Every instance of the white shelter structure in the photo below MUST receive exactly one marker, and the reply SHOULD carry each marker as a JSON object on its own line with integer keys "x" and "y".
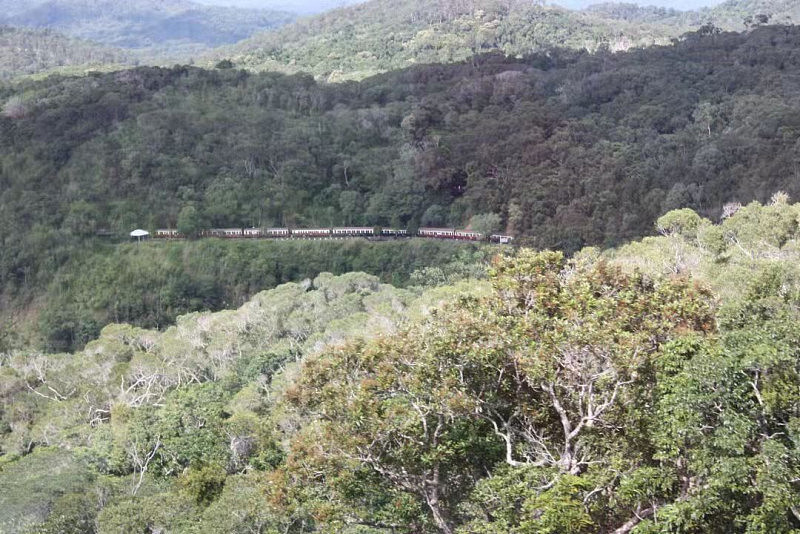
{"x": 140, "y": 234}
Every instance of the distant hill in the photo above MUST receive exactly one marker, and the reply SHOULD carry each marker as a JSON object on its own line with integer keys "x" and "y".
{"x": 304, "y": 7}
{"x": 361, "y": 40}
{"x": 382, "y": 35}
{"x": 730, "y": 15}
{"x": 163, "y": 24}
{"x": 630, "y": 12}
{"x": 25, "y": 51}
{"x": 733, "y": 13}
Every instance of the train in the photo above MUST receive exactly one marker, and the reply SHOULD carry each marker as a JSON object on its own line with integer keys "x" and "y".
{"x": 333, "y": 233}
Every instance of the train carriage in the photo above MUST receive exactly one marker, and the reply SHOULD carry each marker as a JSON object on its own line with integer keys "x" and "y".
{"x": 228, "y": 233}
{"x": 353, "y": 231}
{"x": 502, "y": 239}
{"x": 168, "y": 233}
{"x": 392, "y": 232}
{"x": 311, "y": 232}
{"x": 339, "y": 232}
{"x": 278, "y": 232}
{"x": 468, "y": 235}
{"x": 441, "y": 233}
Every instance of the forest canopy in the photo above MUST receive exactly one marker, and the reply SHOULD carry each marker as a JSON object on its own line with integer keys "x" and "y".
{"x": 646, "y": 389}
{"x": 376, "y": 36}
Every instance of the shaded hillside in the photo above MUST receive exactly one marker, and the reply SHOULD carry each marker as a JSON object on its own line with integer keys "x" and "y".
{"x": 176, "y": 25}
{"x": 24, "y": 51}
{"x": 382, "y": 35}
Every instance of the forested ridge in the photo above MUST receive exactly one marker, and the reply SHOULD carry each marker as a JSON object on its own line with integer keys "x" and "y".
{"x": 651, "y": 388}
{"x": 564, "y": 148}
{"x": 358, "y": 41}
{"x": 25, "y": 51}
{"x": 379, "y": 35}
{"x": 729, "y": 15}
{"x": 176, "y": 28}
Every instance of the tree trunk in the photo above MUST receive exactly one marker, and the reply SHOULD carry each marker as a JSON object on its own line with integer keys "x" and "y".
{"x": 432, "y": 499}
{"x": 439, "y": 515}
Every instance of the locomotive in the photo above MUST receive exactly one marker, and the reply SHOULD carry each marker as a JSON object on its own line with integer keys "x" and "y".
{"x": 332, "y": 233}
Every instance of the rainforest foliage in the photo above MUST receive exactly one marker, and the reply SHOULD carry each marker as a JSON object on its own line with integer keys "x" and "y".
{"x": 383, "y": 35}
{"x": 564, "y": 148}
{"x": 343, "y": 44}
{"x": 380, "y": 35}
{"x": 652, "y": 388}
{"x": 150, "y": 284}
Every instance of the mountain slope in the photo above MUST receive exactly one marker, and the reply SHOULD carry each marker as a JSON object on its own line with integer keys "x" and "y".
{"x": 382, "y": 35}
{"x": 145, "y": 23}
{"x": 645, "y": 14}
{"x": 295, "y": 6}
{"x": 564, "y": 148}
{"x": 736, "y": 14}
{"x": 24, "y": 51}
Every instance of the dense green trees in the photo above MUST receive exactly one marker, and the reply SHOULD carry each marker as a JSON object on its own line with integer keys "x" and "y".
{"x": 149, "y": 284}
{"x": 581, "y": 395}
{"x": 548, "y": 376}
{"x": 567, "y": 149}
{"x": 379, "y": 36}
{"x": 168, "y": 424}
{"x": 359, "y": 41}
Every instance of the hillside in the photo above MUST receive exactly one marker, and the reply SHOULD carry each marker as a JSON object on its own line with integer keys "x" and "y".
{"x": 239, "y": 348}
{"x": 294, "y": 6}
{"x": 383, "y": 35}
{"x": 159, "y": 25}
{"x": 647, "y": 14}
{"x": 646, "y": 389}
{"x": 565, "y": 149}
{"x": 24, "y": 51}
{"x": 735, "y": 14}
{"x": 358, "y": 41}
